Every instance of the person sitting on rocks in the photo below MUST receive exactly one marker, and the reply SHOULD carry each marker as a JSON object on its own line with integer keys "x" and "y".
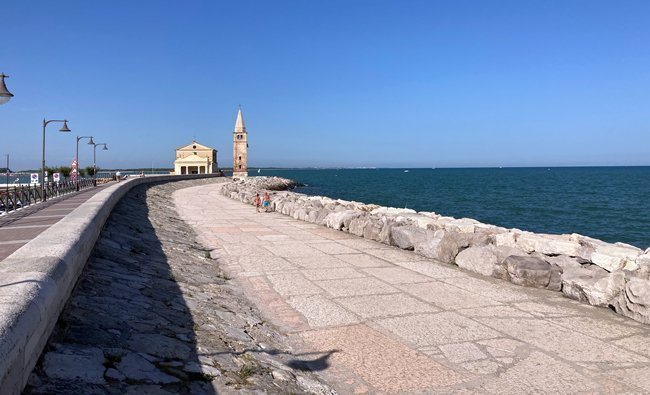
{"x": 267, "y": 202}
{"x": 257, "y": 202}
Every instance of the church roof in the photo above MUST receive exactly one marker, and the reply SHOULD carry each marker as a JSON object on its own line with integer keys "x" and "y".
{"x": 190, "y": 147}
{"x": 239, "y": 123}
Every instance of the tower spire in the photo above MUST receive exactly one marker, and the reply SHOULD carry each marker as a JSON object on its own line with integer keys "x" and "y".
{"x": 240, "y": 127}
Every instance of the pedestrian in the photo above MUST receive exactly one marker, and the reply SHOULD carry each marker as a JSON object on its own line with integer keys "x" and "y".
{"x": 266, "y": 203}
{"x": 257, "y": 202}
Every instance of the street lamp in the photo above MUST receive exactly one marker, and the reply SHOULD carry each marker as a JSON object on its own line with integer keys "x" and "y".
{"x": 64, "y": 129}
{"x": 5, "y": 95}
{"x": 90, "y": 142}
{"x": 7, "y": 185}
{"x": 95, "y": 160}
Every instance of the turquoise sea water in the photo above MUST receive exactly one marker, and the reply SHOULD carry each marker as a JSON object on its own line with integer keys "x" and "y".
{"x": 608, "y": 203}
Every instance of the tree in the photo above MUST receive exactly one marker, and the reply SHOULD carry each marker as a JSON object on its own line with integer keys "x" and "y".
{"x": 65, "y": 171}
{"x": 90, "y": 171}
{"x": 50, "y": 170}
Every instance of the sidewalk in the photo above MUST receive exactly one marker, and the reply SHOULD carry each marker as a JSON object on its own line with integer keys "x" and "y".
{"x": 20, "y": 227}
{"x": 382, "y": 320}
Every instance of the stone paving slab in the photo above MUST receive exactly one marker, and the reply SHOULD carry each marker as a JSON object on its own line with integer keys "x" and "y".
{"x": 385, "y": 320}
{"x": 19, "y": 227}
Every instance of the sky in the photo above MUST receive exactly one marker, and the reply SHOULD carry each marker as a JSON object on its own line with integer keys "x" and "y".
{"x": 330, "y": 83}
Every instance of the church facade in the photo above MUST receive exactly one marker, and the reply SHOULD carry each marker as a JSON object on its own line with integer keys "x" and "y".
{"x": 195, "y": 158}
{"x": 240, "y": 148}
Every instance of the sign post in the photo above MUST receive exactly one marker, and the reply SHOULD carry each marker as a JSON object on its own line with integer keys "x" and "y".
{"x": 74, "y": 173}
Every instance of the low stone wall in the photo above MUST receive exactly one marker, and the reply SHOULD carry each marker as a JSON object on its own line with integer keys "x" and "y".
{"x": 37, "y": 279}
{"x": 586, "y": 269}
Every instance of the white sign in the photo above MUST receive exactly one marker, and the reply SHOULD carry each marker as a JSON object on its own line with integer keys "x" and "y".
{"x": 45, "y": 177}
{"x": 34, "y": 178}
{"x": 56, "y": 177}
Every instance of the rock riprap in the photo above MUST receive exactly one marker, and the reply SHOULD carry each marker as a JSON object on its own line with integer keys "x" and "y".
{"x": 583, "y": 268}
{"x": 154, "y": 314}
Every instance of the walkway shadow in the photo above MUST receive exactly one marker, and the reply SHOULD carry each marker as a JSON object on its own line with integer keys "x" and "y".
{"x": 126, "y": 326}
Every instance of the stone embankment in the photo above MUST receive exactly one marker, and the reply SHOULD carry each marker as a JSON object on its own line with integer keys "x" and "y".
{"x": 154, "y": 314}
{"x": 582, "y": 268}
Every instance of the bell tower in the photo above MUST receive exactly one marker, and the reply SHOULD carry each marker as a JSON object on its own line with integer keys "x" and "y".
{"x": 240, "y": 148}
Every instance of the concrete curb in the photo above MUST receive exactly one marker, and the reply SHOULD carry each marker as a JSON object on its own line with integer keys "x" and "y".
{"x": 36, "y": 280}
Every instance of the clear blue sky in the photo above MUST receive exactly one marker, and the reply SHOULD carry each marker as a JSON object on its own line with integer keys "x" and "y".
{"x": 331, "y": 83}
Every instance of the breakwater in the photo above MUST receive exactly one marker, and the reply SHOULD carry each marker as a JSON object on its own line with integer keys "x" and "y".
{"x": 615, "y": 275}
{"x": 608, "y": 203}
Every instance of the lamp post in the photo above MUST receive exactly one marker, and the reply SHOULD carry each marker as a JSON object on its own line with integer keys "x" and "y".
{"x": 95, "y": 160}
{"x": 7, "y": 185}
{"x": 64, "y": 129}
{"x": 5, "y": 95}
{"x": 90, "y": 142}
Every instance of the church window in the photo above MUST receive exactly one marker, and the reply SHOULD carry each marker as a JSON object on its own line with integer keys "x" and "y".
{"x": 239, "y": 137}
{"x": 194, "y": 152}
{"x": 240, "y": 158}
{"x": 194, "y": 147}
{"x": 240, "y": 166}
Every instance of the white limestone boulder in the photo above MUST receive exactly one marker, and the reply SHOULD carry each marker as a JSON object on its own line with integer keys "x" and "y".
{"x": 503, "y": 252}
{"x": 481, "y": 259}
{"x": 444, "y": 246}
{"x": 592, "y": 285}
{"x": 552, "y": 245}
{"x": 392, "y": 211}
{"x": 419, "y": 220}
{"x": 405, "y": 237}
{"x": 634, "y": 300}
{"x": 533, "y": 272}
{"x": 358, "y": 224}
{"x": 612, "y": 257}
{"x": 336, "y": 220}
{"x": 563, "y": 261}
{"x": 506, "y": 239}
{"x": 372, "y": 228}
{"x": 462, "y": 225}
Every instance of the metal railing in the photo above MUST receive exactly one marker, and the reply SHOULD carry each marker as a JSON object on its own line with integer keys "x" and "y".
{"x": 24, "y": 196}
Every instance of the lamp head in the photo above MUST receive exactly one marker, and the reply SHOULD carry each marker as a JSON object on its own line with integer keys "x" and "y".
{"x": 105, "y": 148}
{"x": 65, "y": 127}
{"x": 5, "y": 95}
{"x": 90, "y": 141}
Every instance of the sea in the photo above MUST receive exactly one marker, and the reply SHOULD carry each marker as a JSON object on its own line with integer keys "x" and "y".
{"x": 608, "y": 203}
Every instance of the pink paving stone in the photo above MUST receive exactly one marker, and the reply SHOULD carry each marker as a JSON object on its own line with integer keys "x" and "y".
{"x": 382, "y": 362}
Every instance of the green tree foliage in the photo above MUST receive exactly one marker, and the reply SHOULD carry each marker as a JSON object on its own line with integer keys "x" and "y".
{"x": 90, "y": 171}
{"x": 65, "y": 171}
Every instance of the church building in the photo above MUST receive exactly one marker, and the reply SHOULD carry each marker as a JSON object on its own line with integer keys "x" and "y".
{"x": 195, "y": 158}
{"x": 240, "y": 148}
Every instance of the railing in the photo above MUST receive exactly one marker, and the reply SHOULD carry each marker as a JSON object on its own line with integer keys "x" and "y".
{"x": 23, "y": 196}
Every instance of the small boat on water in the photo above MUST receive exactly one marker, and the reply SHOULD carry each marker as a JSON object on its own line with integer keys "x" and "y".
{"x": 406, "y": 171}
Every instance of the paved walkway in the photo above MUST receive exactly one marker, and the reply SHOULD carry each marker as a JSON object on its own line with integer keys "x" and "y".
{"x": 20, "y": 227}
{"x": 379, "y": 319}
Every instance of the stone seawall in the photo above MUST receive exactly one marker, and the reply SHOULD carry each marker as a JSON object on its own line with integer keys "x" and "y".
{"x": 582, "y": 268}
{"x": 37, "y": 279}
